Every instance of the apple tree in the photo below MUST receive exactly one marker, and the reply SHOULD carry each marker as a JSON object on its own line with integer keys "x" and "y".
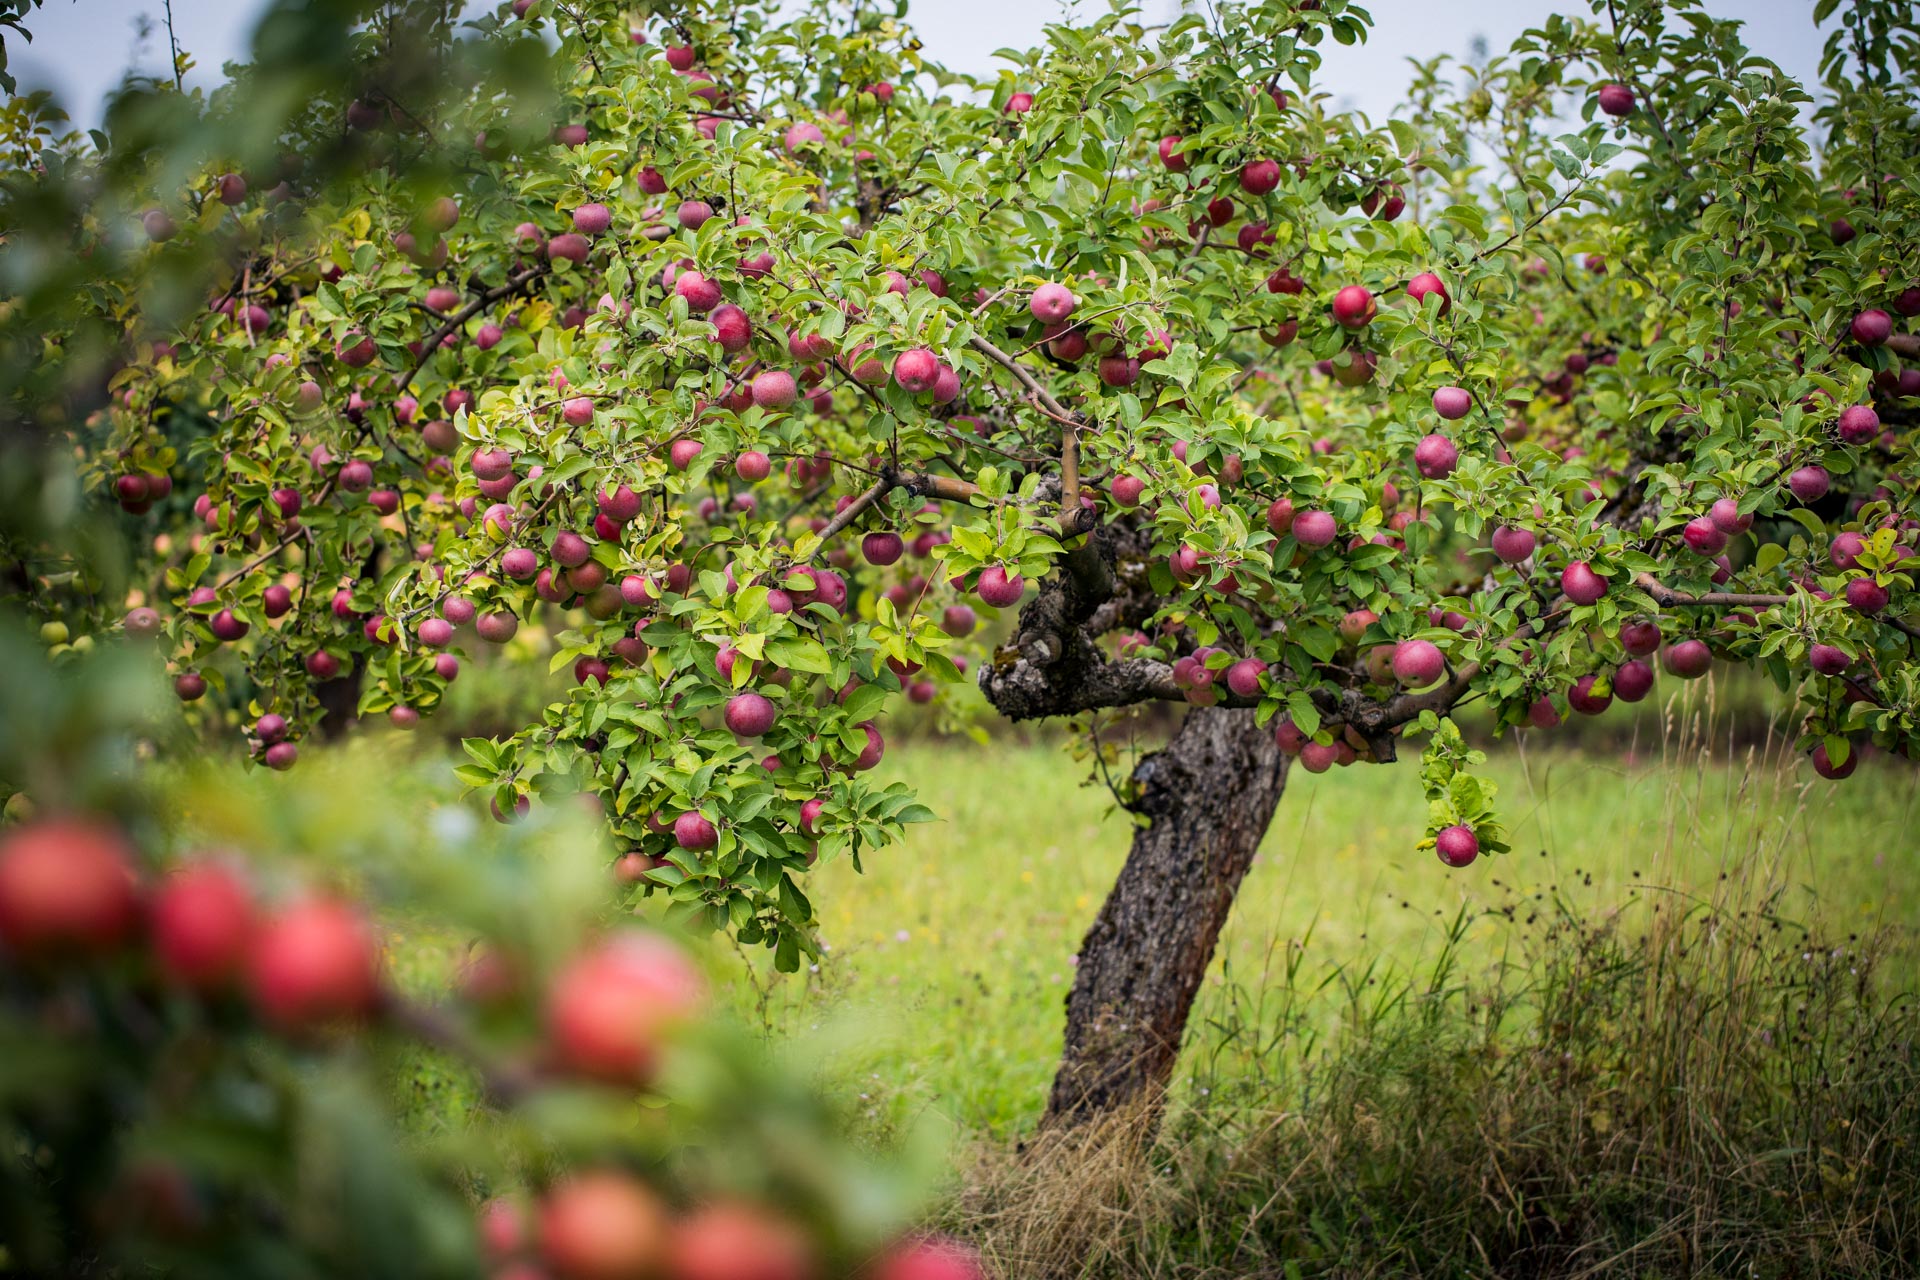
{"x": 211, "y": 1031}
{"x": 774, "y": 374}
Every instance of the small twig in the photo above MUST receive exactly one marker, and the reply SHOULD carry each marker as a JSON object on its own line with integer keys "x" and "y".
{"x": 173, "y": 48}
{"x": 1069, "y": 472}
{"x": 1022, "y": 375}
{"x": 514, "y": 284}
{"x": 257, "y": 561}
{"x": 992, "y": 298}
{"x": 854, "y": 510}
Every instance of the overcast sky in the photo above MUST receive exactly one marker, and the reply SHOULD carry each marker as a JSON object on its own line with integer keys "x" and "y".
{"x": 81, "y": 47}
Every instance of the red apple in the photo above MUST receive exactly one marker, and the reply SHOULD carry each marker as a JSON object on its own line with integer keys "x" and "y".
{"x": 1452, "y": 403}
{"x": 1427, "y": 283}
{"x": 916, "y": 371}
{"x": 1828, "y": 660}
{"x": 1688, "y": 659}
{"x": 1824, "y": 766}
{"x": 1513, "y": 545}
{"x": 1313, "y": 528}
{"x": 610, "y": 1010}
{"x": 1616, "y": 100}
{"x": 314, "y": 962}
{"x": 999, "y": 588}
{"x": 66, "y": 885}
{"x": 1583, "y": 699}
{"x": 202, "y": 923}
{"x": 750, "y": 715}
{"x": 1052, "y": 303}
{"x": 1418, "y": 663}
{"x": 1810, "y": 483}
{"x": 1871, "y": 327}
{"x": 1353, "y": 306}
{"x": 1435, "y": 456}
{"x": 1867, "y": 596}
{"x": 1581, "y": 584}
{"x": 931, "y": 1258}
{"x": 1858, "y": 424}
{"x": 1633, "y": 681}
{"x": 1260, "y": 177}
{"x": 1457, "y": 845}
{"x": 603, "y": 1225}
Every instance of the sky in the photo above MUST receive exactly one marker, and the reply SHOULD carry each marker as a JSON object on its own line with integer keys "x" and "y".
{"x": 81, "y": 47}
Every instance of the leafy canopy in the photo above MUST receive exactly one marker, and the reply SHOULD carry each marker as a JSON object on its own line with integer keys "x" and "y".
{"x": 759, "y": 369}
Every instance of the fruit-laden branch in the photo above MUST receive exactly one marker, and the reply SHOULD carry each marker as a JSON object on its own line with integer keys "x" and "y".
{"x": 921, "y": 484}
{"x": 854, "y": 510}
{"x": 1053, "y": 665}
{"x": 1668, "y": 597}
{"x": 515, "y": 283}
{"x": 1028, "y": 687}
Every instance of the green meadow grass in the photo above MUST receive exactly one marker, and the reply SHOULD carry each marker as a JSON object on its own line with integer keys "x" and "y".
{"x": 1670, "y": 1033}
{"x": 950, "y": 958}
{"x": 948, "y": 961}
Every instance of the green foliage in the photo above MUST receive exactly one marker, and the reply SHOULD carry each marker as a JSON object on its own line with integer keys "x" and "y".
{"x": 186, "y": 1128}
{"x": 12, "y": 17}
{"x": 1456, "y": 796}
{"x": 1652, "y": 311}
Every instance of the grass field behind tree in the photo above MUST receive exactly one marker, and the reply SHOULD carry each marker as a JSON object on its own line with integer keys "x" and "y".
{"x": 1671, "y": 1033}
{"x": 951, "y": 955}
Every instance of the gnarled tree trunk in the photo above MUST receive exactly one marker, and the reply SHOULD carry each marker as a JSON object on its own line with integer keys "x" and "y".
{"x": 1209, "y": 795}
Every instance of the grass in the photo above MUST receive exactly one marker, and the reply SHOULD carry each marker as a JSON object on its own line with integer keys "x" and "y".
{"x": 1716, "y": 1093}
{"x": 1671, "y": 1034}
{"x": 951, "y": 956}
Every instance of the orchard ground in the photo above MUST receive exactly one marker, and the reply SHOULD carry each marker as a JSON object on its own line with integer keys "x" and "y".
{"x": 1686, "y": 997}
{"x": 950, "y": 956}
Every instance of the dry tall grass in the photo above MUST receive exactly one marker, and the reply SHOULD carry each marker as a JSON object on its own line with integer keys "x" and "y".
{"x": 1687, "y": 1085}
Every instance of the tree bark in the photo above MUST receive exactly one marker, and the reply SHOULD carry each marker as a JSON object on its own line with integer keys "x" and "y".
{"x": 1209, "y": 796}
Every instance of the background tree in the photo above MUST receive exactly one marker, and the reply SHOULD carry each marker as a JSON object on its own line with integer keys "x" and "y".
{"x": 776, "y": 373}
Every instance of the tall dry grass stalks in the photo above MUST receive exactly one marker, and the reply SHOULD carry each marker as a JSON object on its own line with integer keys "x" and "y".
{"x": 1687, "y": 1083}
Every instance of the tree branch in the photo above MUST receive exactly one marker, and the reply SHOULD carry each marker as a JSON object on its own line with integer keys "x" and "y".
{"x": 1024, "y": 377}
{"x": 944, "y": 488}
{"x": 516, "y": 282}
{"x": 854, "y": 510}
{"x": 1669, "y": 598}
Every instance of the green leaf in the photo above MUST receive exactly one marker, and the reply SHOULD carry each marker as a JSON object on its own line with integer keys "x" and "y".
{"x": 801, "y": 654}
{"x": 1305, "y": 716}
{"x": 865, "y": 703}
